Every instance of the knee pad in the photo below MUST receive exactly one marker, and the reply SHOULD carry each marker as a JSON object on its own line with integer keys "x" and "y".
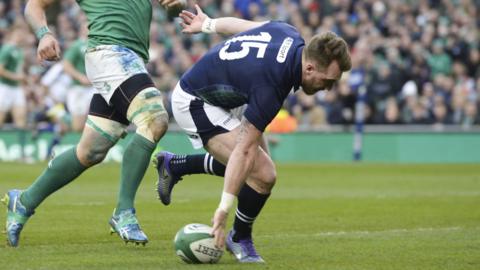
{"x": 110, "y": 130}
{"x": 147, "y": 112}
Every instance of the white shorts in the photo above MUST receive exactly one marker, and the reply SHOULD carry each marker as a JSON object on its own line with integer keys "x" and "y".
{"x": 11, "y": 96}
{"x": 201, "y": 121}
{"x": 57, "y": 82}
{"x": 108, "y": 66}
{"x": 78, "y": 99}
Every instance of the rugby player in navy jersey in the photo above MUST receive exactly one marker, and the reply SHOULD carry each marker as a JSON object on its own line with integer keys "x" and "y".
{"x": 258, "y": 66}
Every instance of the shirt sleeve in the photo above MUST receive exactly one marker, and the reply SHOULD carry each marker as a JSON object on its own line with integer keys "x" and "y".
{"x": 263, "y": 106}
{"x": 72, "y": 53}
{"x": 4, "y": 55}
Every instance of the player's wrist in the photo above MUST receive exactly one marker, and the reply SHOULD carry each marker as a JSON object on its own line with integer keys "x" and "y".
{"x": 42, "y": 32}
{"x": 209, "y": 25}
{"x": 227, "y": 201}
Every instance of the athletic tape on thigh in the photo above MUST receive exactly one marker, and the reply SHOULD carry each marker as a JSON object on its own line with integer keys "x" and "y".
{"x": 148, "y": 104}
{"x": 109, "y": 129}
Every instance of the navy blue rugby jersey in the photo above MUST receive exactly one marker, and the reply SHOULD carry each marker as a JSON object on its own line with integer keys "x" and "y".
{"x": 258, "y": 67}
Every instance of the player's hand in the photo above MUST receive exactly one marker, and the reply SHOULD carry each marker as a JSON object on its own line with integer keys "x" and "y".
{"x": 219, "y": 224}
{"x": 48, "y": 49}
{"x": 23, "y": 79}
{"x": 85, "y": 81}
{"x": 192, "y": 23}
{"x": 172, "y": 3}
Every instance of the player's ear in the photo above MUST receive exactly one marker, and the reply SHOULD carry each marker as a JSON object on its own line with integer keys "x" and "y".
{"x": 310, "y": 67}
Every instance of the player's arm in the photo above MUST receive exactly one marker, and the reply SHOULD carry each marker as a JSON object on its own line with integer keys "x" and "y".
{"x": 48, "y": 47}
{"x": 172, "y": 3}
{"x": 70, "y": 56}
{"x": 239, "y": 165}
{"x": 75, "y": 74}
{"x": 200, "y": 22}
{"x": 5, "y": 73}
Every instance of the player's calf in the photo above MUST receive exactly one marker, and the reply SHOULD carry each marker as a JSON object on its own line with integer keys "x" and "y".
{"x": 264, "y": 174}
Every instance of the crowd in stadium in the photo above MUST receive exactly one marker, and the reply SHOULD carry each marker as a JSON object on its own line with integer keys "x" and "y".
{"x": 418, "y": 60}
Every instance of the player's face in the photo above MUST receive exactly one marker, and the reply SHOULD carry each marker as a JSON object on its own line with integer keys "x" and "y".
{"x": 315, "y": 79}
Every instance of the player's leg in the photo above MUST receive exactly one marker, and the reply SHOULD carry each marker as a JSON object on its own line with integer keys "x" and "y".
{"x": 99, "y": 135}
{"x": 19, "y": 116}
{"x": 146, "y": 111}
{"x": 120, "y": 75}
{"x": 178, "y": 165}
{"x": 3, "y": 116}
{"x": 60, "y": 119}
{"x": 78, "y": 99}
{"x": 172, "y": 167}
{"x": 251, "y": 199}
{"x": 5, "y": 103}
{"x": 143, "y": 106}
{"x": 217, "y": 129}
{"x": 175, "y": 166}
{"x": 19, "y": 110}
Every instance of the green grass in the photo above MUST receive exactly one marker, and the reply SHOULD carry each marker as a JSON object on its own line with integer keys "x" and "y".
{"x": 360, "y": 216}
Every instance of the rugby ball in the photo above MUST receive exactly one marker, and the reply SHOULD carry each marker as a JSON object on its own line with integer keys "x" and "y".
{"x": 194, "y": 244}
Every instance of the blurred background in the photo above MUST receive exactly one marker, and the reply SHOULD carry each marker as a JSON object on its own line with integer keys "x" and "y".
{"x": 412, "y": 95}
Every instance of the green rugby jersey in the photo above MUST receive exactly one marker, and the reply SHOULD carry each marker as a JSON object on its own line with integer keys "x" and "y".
{"x": 119, "y": 22}
{"x": 11, "y": 58}
{"x": 75, "y": 55}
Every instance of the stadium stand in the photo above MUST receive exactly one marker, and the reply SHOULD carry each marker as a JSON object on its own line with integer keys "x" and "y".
{"x": 419, "y": 60}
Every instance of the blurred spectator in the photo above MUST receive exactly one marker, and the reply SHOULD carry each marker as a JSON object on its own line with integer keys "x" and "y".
{"x": 419, "y": 60}
{"x": 306, "y": 111}
{"x": 439, "y": 61}
{"x": 282, "y": 123}
{"x": 13, "y": 77}
{"x": 392, "y": 113}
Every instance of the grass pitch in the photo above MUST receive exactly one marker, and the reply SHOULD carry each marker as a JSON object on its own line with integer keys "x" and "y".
{"x": 360, "y": 216}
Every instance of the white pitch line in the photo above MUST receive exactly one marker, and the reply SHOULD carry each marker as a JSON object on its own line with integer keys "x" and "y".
{"x": 361, "y": 233}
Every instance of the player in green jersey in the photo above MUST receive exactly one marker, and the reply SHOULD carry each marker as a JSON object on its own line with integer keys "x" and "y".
{"x": 80, "y": 93}
{"x": 12, "y": 78}
{"x": 118, "y": 42}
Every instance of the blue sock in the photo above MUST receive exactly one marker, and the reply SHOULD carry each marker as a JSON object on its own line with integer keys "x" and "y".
{"x": 196, "y": 164}
{"x": 250, "y": 203}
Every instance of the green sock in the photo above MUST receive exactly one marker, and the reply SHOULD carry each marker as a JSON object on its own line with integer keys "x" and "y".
{"x": 60, "y": 171}
{"x": 134, "y": 164}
